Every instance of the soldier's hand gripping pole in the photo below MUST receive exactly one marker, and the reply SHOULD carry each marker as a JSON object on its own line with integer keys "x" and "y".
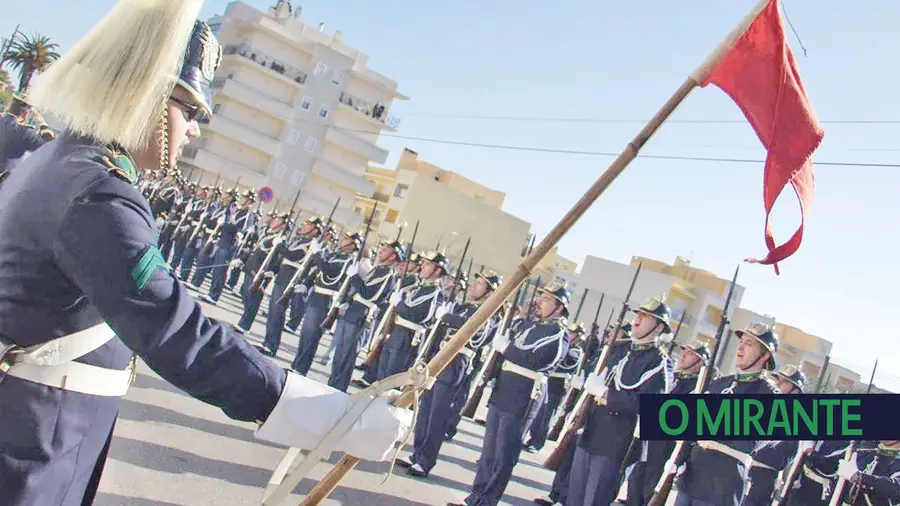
{"x": 331, "y": 480}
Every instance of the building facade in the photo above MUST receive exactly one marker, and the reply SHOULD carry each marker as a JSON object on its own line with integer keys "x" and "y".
{"x": 295, "y": 109}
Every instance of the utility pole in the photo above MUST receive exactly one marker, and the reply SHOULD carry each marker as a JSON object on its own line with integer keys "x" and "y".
{"x": 7, "y": 45}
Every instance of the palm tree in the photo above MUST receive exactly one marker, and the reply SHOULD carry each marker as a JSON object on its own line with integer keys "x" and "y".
{"x": 31, "y": 55}
{"x": 5, "y": 77}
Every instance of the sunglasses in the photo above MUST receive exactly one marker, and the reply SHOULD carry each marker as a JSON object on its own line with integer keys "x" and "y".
{"x": 191, "y": 111}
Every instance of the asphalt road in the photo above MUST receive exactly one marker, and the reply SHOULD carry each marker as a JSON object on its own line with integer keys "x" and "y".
{"x": 170, "y": 449}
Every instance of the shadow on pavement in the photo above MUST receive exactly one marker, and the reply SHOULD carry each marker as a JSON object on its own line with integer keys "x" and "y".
{"x": 107, "y": 499}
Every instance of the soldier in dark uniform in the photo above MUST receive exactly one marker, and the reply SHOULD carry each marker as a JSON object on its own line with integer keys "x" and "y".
{"x": 301, "y": 290}
{"x": 196, "y": 235}
{"x": 219, "y": 214}
{"x": 83, "y": 287}
{"x": 647, "y": 472}
{"x": 244, "y": 248}
{"x": 435, "y": 407}
{"x": 236, "y": 221}
{"x": 169, "y": 234}
{"x": 329, "y": 270}
{"x": 181, "y": 238}
{"x": 535, "y": 347}
{"x": 611, "y": 422}
{"x": 289, "y": 259}
{"x": 16, "y": 137}
{"x": 556, "y": 390}
{"x": 817, "y": 478}
{"x": 772, "y": 457}
{"x": 416, "y": 308}
{"x": 873, "y": 476}
{"x": 368, "y": 293}
{"x": 714, "y": 473}
{"x": 251, "y": 295}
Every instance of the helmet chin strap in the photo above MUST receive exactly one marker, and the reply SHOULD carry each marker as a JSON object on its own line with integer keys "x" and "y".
{"x": 645, "y": 336}
{"x": 164, "y": 140}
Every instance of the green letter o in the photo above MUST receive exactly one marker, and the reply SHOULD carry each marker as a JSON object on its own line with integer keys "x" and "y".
{"x": 662, "y": 417}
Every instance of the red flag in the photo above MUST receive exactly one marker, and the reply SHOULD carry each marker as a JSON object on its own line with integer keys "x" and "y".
{"x": 760, "y": 75}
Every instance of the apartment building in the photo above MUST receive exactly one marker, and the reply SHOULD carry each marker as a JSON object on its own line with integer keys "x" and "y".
{"x": 696, "y": 296}
{"x": 295, "y": 109}
{"x": 449, "y": 208}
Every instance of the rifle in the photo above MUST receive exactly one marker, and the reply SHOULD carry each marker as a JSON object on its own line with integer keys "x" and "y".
{"x": 568, "y": 403}
{"x": 344, "y": 291}
{"x": 580, "y": 305}
{"x": 682, "y": 449}
{"x": 203, "y": 214}
{"x": 258, "y": 278}
{"x": 838, "y": 492}
{"x": 582, "y": 406}
{"x": 304, "y": 266}
{"x": 207, "y": 248}
{"x": 383, "y": 329}
{"x": 428, "y": 344}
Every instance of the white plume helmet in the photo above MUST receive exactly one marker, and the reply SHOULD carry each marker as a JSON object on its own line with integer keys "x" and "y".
{"x": 115, "y": 83}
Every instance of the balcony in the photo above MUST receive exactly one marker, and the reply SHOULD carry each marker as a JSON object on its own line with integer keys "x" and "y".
{"x": 372, "y": 112}
{"x": 228, "y": 169}
{"x": 381, "y": 197}
{"x": 250, "y": 54}
{"x": 254, "y": 98}
{"x": 355, "y": 144}
{"x": 240, "y": 133}
{"x": 339, "y": 175}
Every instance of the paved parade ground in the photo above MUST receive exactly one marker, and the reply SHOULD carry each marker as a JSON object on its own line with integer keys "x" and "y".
{"x": 170, "y": 449}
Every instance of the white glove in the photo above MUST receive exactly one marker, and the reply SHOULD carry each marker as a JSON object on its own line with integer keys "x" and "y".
{"x": 671, "y": 468}
{"x": 301, "y": 289}
{"x": 595, "y": 385}
{"x": 220, "y": 221}
{"x": 236, "y": 264}
{"x": 395, "y": 298}
{"x": 804, "y": 446}
{"x": 314, "y": 247}
{"x": 501, "y": 342}
{"x": 268, "y": 274}
{"x": 577, "y": 382}
{"x": 846, "y": 469}
{"x": 352, "y": 270}
{"x": 343, "y": 308}
{"x": 277, "y": 240}
{"x": 442, "y": 310}
{"x": 372, "y": 437}
{"x": 365, "y": 267}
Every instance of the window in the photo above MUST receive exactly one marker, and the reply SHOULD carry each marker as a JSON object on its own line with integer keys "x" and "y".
{"x": 216, "y": 108}
{"x": 337, "y": 78}
{"x": 296, "y": 178}
{"x": 311, "y": 144}
{"x": 280, "y": 170}
{"x": 323, "y": 111}
{"x": 320, "y": 69}
{"x": 400, "y": 190}
{"x": 306, "y": 103}
{"x": 293, "y": 137}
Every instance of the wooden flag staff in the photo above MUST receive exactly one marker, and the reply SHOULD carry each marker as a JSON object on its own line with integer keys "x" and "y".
{"x": 440, "y": 361}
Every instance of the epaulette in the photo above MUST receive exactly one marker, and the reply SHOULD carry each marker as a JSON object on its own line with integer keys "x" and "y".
{"x": 120, "y": 165}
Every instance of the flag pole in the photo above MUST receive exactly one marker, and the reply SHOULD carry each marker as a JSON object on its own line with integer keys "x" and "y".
{"x": 330, "y": 481}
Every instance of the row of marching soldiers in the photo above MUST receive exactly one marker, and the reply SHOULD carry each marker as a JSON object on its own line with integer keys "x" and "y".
{"x": 399, "y": 307}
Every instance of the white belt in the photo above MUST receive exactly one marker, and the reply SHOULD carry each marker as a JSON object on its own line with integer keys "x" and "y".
{"x": 403, "y": 322}
{"x": 325, "y": 291}
{"x": 821, "y": 480}
{"x": 741, "y": 457}
{"x": 365, "y": 302}
{"x": 562, "y": 375}
{"x": 521, "y": 371}
{"x": 469, "y": 352}
{"x": 295, "y": 265}
{"x": 51, "y": 364}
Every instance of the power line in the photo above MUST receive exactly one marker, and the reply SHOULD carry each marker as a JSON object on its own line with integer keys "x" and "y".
{"x": 626, "y": 120}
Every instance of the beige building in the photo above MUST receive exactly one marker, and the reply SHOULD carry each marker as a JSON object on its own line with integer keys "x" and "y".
{"x": 450, "y": 209}
{"x": 296, "y": 109}
{"x": 696, "y": 295}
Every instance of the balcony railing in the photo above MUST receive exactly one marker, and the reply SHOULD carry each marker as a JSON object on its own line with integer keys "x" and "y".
{"x": 376, "y": 112}
{"x": 267, "y": 61}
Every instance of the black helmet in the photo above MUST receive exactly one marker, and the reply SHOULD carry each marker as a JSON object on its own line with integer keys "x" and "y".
{"x": 793, "y": 375}
{"x": 766, "y": 337}
{"x": 659, "y": 310}
{"x": 19, "y": 105}
{"x": 204, "y": 53}
{"x": 396, "y": 247}
{"x": 249, "y": 195}
{"x": 699, "y": 349}
{"x": 492, "y": 278}
{"x": 317, "y": 222}
{"x": 356, "y": 237}
{"x": 437, "y": 259}
{"x": 560, "y": 293}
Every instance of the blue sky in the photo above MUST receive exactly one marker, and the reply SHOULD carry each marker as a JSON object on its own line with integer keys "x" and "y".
{"x": 622, "y": 60}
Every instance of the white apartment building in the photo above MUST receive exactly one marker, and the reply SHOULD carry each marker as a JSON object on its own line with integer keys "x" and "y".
{"x": 295, "y": 109}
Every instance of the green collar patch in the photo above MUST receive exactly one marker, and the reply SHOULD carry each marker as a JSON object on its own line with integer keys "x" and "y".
{"x": 687, "y": 375}
{"x": 151, "y": 260}
{"x": 642, "y": 347}
{"x": 120, "y": 164}
{"x": 753, "y": 376}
